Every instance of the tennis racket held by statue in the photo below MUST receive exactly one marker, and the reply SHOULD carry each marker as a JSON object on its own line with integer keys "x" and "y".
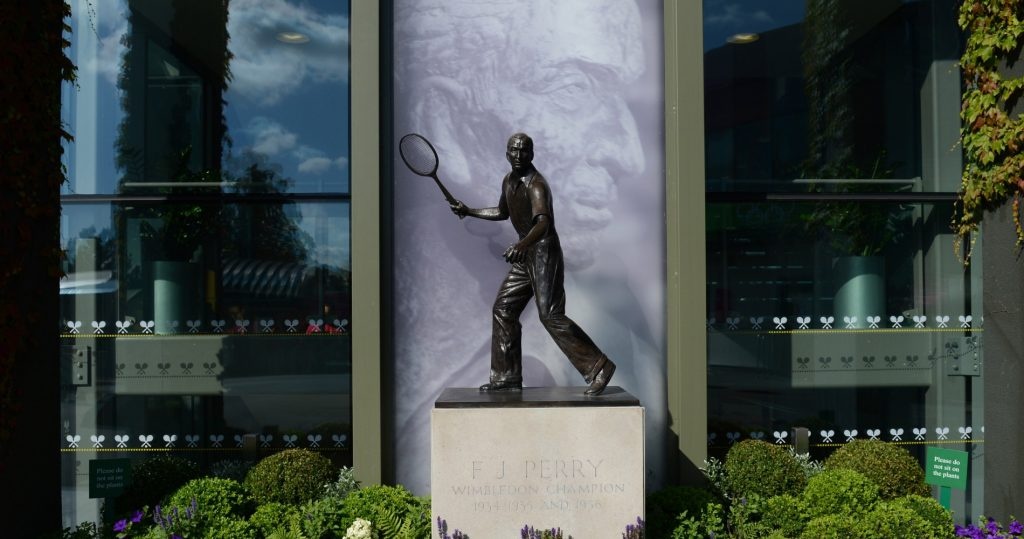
{"x": 421, "y": 158}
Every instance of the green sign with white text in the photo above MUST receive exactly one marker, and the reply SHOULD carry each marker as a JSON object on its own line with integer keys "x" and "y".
{"x": 946, "y": 468}
{"x": 108, "y": 477}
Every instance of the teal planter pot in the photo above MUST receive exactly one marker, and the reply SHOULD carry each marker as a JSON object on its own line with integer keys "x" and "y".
{"x": 860, "y": 289}
{"x": 175, "y": 295}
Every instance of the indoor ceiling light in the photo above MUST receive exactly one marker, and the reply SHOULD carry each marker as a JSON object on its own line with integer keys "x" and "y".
{"x": 746, "y": 37}
{"x": 292, "y": 37}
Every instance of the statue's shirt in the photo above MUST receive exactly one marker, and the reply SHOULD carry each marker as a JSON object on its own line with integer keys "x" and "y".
{"x": 525, "y": 201}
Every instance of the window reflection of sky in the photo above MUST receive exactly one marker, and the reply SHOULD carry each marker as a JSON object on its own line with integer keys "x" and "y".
{"x": 287, "y": 102}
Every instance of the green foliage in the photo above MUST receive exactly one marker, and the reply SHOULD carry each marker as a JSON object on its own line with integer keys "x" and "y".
{"x": 838, "y": 491}
{"x": 714, "y": 472}
{"x": 390, "y": 508}
{"x": 992, "y": 139}
{"x": 214, "y": 502}
{"x": 831, "y": 527}
{"x": 755, "y": 467}
{"x": 325, "y": 517}
{"x": 269, "y": 517}
{"x": 892, "y": 468}
{"x": 888, "y": 520}
{"x": 153, "y": 479}
{"x": 708, "y": 522}
{"x": 344, "y": 485}
{"x": 810, "y": 466}
{"x": 783, "y": 513}
{"x": 667, "y": 504}
{"x": 939, "y": 519}
{"x": 292, "y": 476}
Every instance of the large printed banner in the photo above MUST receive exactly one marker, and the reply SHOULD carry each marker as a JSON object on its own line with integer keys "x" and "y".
{"x": 584, "y": 79}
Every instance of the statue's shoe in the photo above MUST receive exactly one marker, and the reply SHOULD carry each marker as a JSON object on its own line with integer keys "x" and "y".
{"x": 502, "y": 386}
{"x": 601, "y": 379}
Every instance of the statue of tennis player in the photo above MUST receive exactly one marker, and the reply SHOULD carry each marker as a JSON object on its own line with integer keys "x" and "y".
{"x": 537, "y": 272}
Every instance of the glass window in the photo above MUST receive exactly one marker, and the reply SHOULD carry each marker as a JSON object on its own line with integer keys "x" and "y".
{"x": 835, "y": 300}
{"x": 205, "y": 312}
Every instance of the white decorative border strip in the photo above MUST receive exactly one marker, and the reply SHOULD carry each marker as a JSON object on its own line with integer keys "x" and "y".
{"x": 782, "y": 323}
{"x": 239, "y": 326}
{"x": 213, "y": 441}
{"x": 963, "y": 433}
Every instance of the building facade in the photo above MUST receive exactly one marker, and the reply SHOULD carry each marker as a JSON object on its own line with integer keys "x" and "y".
{"x": 754, "y": 200}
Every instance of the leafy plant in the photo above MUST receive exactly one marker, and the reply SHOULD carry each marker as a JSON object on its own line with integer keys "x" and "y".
{"x": 993, "y": 169}
{"x": 269, "y": 517}
{"x": 892, "y": 468}
{"x": 393, "y": 508}
{"x": 153, "y": 479}
{"x": 838, "y": 526}
{"x": 665, "y": 506}
{"x": 939, "y": 519}
{"x": 838, "y": 491}
{"x": 710, "y": 522}
{"x": 344, "y": 485}
{"x": 291, "y": 476}
{"x": 756, "y": 467}
{"x": 782, "y": 513}
{"x": 325, "y": 517}
{"x": 214, "y": 503}
{"x": 887, "y": 520}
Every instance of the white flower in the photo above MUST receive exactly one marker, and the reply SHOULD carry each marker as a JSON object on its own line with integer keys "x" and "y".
{"x": 360, "y": 529}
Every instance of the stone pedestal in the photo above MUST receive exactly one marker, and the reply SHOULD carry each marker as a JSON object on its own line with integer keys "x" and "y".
{"x": 545, "y": 457}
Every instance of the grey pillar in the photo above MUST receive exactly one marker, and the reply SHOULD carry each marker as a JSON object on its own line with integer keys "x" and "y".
{"x": 1003, "y": 301}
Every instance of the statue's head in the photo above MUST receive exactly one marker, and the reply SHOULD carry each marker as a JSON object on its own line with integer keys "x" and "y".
{"x": 519, "y": 152}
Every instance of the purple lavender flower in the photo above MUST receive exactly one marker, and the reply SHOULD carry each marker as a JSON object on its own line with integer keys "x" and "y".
{"x": 1016, "y": 528}
{"x": 137, "y": 516}
{"x": 992, "y": 527}
{"x": 121, "y": 525}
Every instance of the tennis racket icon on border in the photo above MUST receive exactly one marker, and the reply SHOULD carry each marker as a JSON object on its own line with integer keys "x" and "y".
{"x": 421, "y": 158}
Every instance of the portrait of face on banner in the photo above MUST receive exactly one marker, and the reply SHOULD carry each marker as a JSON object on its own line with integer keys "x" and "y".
{"x": 584, "y": 79}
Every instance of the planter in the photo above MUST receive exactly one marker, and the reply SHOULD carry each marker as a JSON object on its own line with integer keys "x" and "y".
{"x": 860, "y": 289}
{"x": 176, "y": 295}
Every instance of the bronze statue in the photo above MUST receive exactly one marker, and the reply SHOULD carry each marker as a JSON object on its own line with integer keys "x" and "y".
{"x": 537, "y": 272}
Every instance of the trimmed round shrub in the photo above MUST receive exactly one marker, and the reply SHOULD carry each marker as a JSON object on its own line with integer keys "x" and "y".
{"x": 939, "y": 519}
{"x": 293, "y": 476}
{"x": 784, "y": 514}
{"x": 665, "y": 505}
{"x": 755, "y": 467}
{"x": 830, "y": 527}
{"x": 202, "y": 504}
{"x": 271, "y": 517}
{"x": 840, "y": 491}
{"x": 895, "y": 471}
{"x": 888, "y": 520}
{"x": 153, "y": 480}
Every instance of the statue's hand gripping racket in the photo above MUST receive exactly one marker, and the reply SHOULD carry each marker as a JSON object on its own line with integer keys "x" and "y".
{"x": 421, "y": 158}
